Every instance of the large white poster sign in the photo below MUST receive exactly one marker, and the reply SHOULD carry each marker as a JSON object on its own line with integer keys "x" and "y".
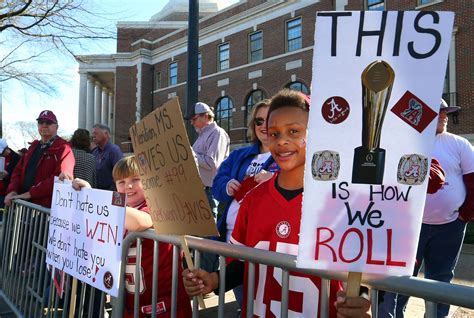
{"x": 85, "y": 235}
{"x": 377, "y": 83}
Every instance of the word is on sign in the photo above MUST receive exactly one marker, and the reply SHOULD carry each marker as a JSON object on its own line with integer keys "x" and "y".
{"x": 371, "y": 129}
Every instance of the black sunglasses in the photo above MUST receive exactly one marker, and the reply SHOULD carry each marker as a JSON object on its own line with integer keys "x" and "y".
{"x": 44, "y": 121}
{"x": 258, "y": 121}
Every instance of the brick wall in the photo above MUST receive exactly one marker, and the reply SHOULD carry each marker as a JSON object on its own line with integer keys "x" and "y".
{"x": 125, "y": 101}
{"x": 274, "y": 75}
{"x": 126, "y": 36}
{"x": 464, "y": 11}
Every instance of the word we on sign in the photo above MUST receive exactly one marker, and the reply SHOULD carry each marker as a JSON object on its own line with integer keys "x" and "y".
{"x": 376, "y": 96}
{"x": 85, "y": 235}
{"x": 173, "y": 188}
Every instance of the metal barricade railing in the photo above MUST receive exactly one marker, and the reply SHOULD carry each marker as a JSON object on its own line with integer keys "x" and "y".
{"x": 23, "y": 270}
{"x": 26, "y": 285}
{"x": 432, "y": 291}
{"x": 25, "y": 281}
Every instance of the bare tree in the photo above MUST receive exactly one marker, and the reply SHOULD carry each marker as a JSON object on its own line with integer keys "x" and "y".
{"x": 32, "y": 30}
{"x": 19, "y": 134}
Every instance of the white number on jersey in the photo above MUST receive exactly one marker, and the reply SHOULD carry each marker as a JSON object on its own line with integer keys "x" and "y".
{"x": 299, "y": 284}
{"x": 130, "y": 283}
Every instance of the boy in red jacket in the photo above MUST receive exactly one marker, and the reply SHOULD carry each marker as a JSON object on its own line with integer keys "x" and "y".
{"x": 137, "y": 218}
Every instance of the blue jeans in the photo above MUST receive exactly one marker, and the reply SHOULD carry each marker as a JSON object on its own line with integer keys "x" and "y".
{"x": 212, "y": 202}
{"x": 438, "y": 249}
{"x": 239, "y": 294}
{"x": 210, "y": 261}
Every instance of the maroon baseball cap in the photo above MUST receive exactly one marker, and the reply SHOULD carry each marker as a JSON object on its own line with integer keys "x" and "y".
{"x": 47, "y": 115}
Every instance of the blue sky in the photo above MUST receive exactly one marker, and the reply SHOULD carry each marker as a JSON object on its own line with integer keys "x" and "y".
{"x": 21, "y": 103}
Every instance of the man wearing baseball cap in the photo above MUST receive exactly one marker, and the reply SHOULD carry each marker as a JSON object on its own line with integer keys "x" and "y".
{"x": 446, "y": 214}
{"x": 46, "y": 158}
{"x": 211, "y": 148}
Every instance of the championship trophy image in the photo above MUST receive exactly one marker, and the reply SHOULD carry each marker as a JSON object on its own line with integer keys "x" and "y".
{"x": 369, "y": 159}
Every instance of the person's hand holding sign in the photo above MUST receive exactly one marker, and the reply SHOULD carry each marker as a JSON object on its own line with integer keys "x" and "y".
{"x": 78, "y": 184}
{"x": 199, "y": 282}
{"x": 347, "y": 307}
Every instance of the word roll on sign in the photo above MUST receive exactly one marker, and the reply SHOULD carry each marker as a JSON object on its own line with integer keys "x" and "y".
{"x": 377, "y": 84}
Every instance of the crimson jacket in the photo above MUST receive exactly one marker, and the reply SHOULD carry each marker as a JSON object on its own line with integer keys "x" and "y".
{"x": 56, "y": 159}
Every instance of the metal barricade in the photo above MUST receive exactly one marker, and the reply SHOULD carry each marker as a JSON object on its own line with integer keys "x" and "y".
{"x": 432, "y": 291}
{"x": 26, "y": 285}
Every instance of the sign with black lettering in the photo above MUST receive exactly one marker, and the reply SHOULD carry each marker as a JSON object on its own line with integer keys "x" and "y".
{"x": 377, "y": 84}
{"x": 85, "y": 235}
{"x": 173, "y": 188}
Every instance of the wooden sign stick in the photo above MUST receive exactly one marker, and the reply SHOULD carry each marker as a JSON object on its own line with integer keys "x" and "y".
{"x": 353, "y": 284}
{"x": 189, "y": 261}
{"x": 72, "y": 306}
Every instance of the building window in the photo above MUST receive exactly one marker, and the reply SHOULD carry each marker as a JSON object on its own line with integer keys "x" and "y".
{"x": 450, "y": 87}
{"x": 224, "y": 56}
{"x": 422, "y": 2}
{"x": 224, "y": 113}
{"x": 446, "y": 80}
{"x": 376, "y": 5}
{"x": 253, "y": 98}
{"x": 256, "y": 46}
{"x": 173, "y": 74}
{"x": 157, "y": 81}
{"x": 294, "y": 35}
{"x": 199, "y": 64}
{"x": 298, "y": 86}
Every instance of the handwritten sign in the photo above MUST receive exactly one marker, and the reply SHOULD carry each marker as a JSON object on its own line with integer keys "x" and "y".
{"x": 173, "y": 188}
{"x": 85, "y": 235}
{"x": 376, "y": 95}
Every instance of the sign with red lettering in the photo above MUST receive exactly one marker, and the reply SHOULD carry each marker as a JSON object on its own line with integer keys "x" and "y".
{"x": 373, "y": 118}
{"x": 173, "y": 188}
{"x": 85, "y": 235}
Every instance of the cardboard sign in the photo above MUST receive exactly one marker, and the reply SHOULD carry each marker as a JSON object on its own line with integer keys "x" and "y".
{"x": 377, "y": 83}
{"x": 85, "y": 235}
{"x": 173, "y": 188}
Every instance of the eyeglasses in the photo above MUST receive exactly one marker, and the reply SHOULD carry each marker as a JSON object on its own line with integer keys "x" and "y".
{"x": 258, "y": 121}
{"x": 44, "y": 121}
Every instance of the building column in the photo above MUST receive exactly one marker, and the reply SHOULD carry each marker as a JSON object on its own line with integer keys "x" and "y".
{"x": 111, "y": 116}
{"x": 138, "y": 94}
{"x": 82, "y": 117}
{"x": 105, "y": 107}
{"x": 97, "y": 103}
{"x": 90, "y": 104}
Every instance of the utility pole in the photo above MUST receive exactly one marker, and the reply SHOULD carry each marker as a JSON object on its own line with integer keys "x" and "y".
{"x": 192, "y": 80}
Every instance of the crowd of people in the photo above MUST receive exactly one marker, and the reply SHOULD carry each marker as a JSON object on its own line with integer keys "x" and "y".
{"x": 254, "y": 188}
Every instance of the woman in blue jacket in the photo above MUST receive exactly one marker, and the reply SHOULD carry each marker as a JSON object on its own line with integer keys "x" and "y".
{"x": 253, "y": 163}
{"x": 244, "y": 169}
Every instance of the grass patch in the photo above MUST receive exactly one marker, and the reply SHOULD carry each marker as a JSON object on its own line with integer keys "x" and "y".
{"x": 469, "y": 238}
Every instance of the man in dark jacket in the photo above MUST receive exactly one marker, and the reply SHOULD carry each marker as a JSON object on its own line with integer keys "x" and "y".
{"x": 106, "y": 156}
{"x": 33, "y": 177}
